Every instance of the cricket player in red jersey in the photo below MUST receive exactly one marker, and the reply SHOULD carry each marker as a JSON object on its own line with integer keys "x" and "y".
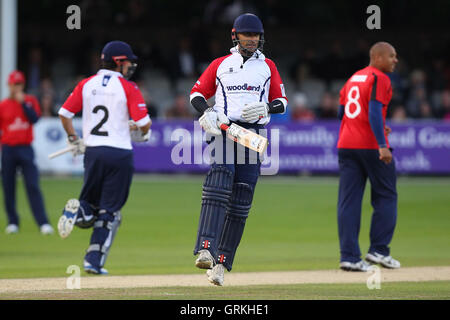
{"x": 18, "y": 113}
{"x": 364, "y": 152}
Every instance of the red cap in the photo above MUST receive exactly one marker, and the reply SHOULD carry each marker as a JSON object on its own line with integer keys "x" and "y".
{"x": 16, "y": 77}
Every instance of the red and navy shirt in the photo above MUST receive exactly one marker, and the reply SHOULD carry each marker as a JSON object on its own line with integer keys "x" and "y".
{"x": 365, "y": 85}
{"x": 15, "y": 127}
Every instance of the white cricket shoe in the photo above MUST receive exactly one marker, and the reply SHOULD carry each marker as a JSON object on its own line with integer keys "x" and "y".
{"x": 12, "y": 228}
{"x": 385, "y": 261}
{"x": 216, "y": 274}
{"x": 89, "y": 268}
{"x": 67, "y": 220}
{"x": 46, "y": 229}
{"x": 205, "y": 260}
{"x": 361, "y": 266}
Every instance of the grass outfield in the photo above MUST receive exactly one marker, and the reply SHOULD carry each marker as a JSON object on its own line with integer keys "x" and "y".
{"x": 292, "y": 226}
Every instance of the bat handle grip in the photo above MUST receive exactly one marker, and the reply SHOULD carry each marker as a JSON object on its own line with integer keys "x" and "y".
{"x": 224, "y": 127}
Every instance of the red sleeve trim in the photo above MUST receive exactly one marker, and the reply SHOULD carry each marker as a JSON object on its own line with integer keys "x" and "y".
{"x": 206, "y": 84}
{"x": 276, "y": 90}
{"x": 137, "y": 107}
{"x": 74, "y": 102}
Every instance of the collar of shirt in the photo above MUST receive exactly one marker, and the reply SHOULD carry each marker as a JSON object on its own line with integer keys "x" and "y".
{"x": 109, "y": 72}
{"x": 257, "y": 55}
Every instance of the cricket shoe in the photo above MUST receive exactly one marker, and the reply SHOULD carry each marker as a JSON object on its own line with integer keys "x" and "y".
{"x": 216, "y": 274}
{"x": 89, "y": 268}
{"x": 360, "y": 266}
{"x": 12, "y": 228}
{"x": 385, "y": 261}
{"x": 68, "y": 219}
{"x": 46, "y": 229}
{"x": 205, "y": 260}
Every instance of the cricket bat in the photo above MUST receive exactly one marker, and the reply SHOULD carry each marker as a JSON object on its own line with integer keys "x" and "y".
{"x": 61, "y": 152}
{"x": 246, "y": 137}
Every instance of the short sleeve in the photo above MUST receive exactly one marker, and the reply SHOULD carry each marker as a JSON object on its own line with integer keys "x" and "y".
{"x": 137, "y": 108}
{"x": 276, "y": 90}
{"x": 74, "y": 102}
{"x": 206, "y": 85}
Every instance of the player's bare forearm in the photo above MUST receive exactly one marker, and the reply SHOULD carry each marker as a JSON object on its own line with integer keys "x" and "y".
{"x": 67, "y": 125}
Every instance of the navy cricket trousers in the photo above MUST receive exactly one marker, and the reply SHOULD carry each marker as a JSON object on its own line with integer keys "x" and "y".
{"x": 108, "y": 173}
{"x": 21, "y": 156}
{"x": 356, "y": 165}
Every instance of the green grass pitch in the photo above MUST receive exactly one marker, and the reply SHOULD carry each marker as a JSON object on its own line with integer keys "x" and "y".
{"x": 292, "y": 226}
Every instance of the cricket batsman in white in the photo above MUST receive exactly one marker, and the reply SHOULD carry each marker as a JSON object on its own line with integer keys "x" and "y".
{"x": 247, "y": 89}
{"x": 108, "y": 100}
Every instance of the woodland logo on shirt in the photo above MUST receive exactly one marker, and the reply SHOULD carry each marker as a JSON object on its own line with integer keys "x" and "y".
{"x": 245, "y": 87}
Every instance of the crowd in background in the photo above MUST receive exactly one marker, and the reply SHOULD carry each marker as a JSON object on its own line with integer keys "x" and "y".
{"x": 313, "y": 73}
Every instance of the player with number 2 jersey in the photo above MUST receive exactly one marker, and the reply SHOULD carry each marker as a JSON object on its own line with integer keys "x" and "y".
{"x": 108, "y": 101}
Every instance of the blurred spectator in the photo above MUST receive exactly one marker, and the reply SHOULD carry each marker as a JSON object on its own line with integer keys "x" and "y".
{"x": 425, "y": 110}
{"x": 336, "y": 64}
{"x": 437, "y": 81}
{"x": 35, "y": 70}
{"x": 183, "y": 63}
{"x": 152, "y": 109}
{"x": 48, "y": 106}
{"x": 47, "y": 97}
{"x": 417, "y": 93}
{"x": 445, "y": 105}
{"x": 416, "y": 98}
{"x": 328, "y": 107}
{"x": 305, "y": 67}
{"x": 180, "y": 108}
{"x": 299, "y": 108}
{"x": 399, "y": 114}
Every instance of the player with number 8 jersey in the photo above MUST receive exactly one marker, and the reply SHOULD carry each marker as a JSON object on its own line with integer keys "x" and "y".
{"x": 365, "y": 85}
{"x": 364, "y": 153}
{"x": 108, "y": 101}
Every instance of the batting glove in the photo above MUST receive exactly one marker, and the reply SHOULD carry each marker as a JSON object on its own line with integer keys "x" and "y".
{"x": 255, "y": 111}
{"x": 77, "y": 144}
{"x": 211, "y": 120}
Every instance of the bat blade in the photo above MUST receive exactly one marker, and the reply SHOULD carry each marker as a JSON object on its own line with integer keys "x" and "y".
{"x": 246, "y": 137}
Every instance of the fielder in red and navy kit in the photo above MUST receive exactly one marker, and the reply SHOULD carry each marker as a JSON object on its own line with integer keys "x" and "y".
{"x": 364, "y": 152}
{"x": 247, "y": 89}
{"x": 18, "y": 113}
{"x": 108, "y": 101}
